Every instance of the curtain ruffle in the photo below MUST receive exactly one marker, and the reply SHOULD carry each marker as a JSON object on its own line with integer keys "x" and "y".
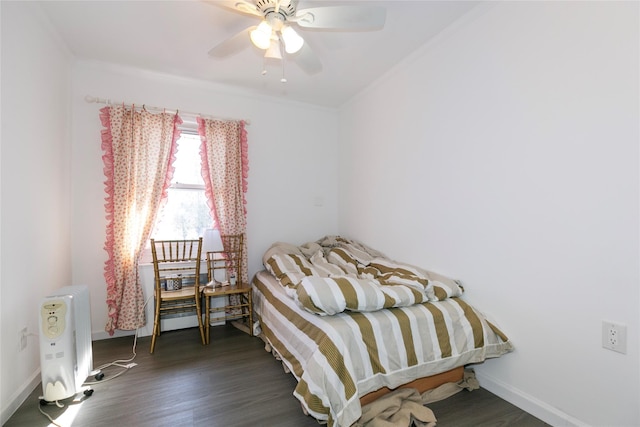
{"x": 108, "y": 169}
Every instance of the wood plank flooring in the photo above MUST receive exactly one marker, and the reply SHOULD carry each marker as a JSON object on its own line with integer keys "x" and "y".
{"x": 232, "y": 382}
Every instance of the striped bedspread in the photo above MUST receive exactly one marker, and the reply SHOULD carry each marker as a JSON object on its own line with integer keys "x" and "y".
{"x": 337, "y": 359}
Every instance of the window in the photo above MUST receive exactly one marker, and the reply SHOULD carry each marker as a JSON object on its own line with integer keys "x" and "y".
{"x": 185, "y": 214}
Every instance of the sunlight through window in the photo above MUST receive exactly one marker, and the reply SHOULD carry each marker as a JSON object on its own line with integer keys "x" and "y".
{"x": 186, "y": 213}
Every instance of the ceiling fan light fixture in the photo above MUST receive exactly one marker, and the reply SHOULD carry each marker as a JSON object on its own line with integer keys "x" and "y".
{"x": 292, "y": 40}
{"x": 261, "y": 36}
{"x": 274, "y": 50}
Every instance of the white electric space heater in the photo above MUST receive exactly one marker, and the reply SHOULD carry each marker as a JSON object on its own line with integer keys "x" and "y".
{"x": 66, "y": 357}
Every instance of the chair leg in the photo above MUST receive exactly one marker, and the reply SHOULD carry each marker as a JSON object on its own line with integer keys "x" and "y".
{"x": 200, "y": 326}
{"x": 249, "y": 301}
{"x": 156, "y": 327}
{"x": 207, "y": 320}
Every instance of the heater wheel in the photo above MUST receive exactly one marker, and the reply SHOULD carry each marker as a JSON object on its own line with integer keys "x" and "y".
{"x": 99, "y": 376}
{"x": 88, "y": 392}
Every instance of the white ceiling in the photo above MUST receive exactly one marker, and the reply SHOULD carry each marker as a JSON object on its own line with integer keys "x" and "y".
{"x": 174, "y": 37}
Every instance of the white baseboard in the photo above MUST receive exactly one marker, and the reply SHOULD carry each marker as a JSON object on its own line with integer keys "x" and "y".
{"x": 530, "y": 404}
{"x": 103, "y": 335}
{"x": 170, "y": 324}
{"x": 20, "y": 396}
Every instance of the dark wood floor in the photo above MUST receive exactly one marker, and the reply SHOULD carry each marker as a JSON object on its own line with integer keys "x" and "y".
{"x": 232, "y": 382}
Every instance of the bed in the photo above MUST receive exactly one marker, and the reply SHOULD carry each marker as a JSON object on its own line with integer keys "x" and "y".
{"x": 347, "y": 321}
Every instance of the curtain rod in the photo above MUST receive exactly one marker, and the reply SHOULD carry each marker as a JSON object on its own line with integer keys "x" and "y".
{"x": 92, "y": 99}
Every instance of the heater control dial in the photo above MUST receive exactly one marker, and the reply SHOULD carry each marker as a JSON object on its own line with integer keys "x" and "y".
{"x": 53, "y": 314}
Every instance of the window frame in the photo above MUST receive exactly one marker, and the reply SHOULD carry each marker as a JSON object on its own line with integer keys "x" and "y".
{"x": 189, "y": 129}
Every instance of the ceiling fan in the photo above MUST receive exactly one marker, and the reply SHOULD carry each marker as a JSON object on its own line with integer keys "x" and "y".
{"x": 276, "y": 33}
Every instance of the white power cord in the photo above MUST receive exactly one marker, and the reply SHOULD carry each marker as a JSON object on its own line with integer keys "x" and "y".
{"x": 126, "y": 364}
{"x": 59, "y": 405}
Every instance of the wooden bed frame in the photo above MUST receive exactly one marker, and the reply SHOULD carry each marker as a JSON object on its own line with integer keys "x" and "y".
{"x": 421, "y": 384}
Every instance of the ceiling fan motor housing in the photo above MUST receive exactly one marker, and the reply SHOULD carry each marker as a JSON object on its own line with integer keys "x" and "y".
{"x": 286, "y": 8}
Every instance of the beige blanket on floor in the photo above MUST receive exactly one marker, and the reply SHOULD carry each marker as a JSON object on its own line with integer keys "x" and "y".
{"x": 403, "y": 406}
{"x": 398, "y": 408}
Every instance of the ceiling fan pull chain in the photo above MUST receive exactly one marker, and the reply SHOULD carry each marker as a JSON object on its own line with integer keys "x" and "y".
{"x": 283, "y": 79}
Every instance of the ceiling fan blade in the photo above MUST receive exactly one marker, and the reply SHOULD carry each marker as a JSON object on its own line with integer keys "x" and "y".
{"x": 232, "y": 45}
{"x": 342, "y": 17}
{"x": 307, "y": 60}
{"x": 241, "y": 6}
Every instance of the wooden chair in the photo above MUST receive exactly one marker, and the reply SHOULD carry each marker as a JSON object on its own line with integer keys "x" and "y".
{"x": 176, "y": 266}
{"x": 236, "y": 292}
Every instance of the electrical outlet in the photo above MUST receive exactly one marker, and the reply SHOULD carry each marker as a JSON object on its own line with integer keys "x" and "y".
{"x": 23, "y": 338}
{"x": 614, "y": 336}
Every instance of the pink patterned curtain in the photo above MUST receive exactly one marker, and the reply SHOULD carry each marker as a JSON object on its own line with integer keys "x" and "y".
{"x": 139, "y": 149}
{"x": 225, "y": 166}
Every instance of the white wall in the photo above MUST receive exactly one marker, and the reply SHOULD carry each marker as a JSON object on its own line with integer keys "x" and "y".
{"x": 292, "y": 152}
{"x": 505, "y": 154}
{"x": 35, "y": 249}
